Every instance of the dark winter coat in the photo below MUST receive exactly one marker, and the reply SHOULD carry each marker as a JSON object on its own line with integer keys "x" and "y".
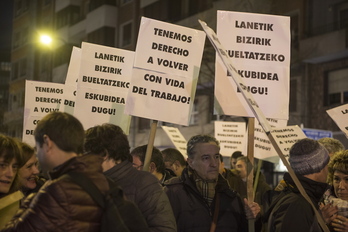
{"x": 145, "y": 191}
{"x": 192, "y": 213}
{"x": 292, "y": 212}
{"x": 61, "y": 205}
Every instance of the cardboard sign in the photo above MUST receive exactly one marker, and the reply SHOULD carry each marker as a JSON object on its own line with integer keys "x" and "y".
{"x": 102, "y": 86}
{"x": 166, "y": 67}
{"x": 169, "y": 48}
{"x": 68, "y": 104}
{"x": 221, "y": 51}
{"x": 232, "y": 137}
{"x": 41, "y": 98}
{"x": 258, "y": 45}
{"x": 287, "y": 136}
{"x": 177, "y": 139}
{"x": 339, "y": 115}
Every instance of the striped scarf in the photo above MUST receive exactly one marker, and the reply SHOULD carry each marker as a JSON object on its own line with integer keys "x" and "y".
{"x": 205, "y": 187}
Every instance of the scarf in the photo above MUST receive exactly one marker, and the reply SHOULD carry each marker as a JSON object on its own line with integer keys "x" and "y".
{"x": 205, "y": 187}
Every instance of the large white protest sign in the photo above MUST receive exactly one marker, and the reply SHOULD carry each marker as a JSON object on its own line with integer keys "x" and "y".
{"x": 166, "y": 68}
{"x": 339, "y": 115}
{"x": 177, "y": 139}
{"x": 102, "y": 86}
{"x": 221, "y": 51}
{"x": 68, "y": 104}
{"x": 232, "y": 137}
{"x": 259, "y": 47}
{"x": 41, "y": 98}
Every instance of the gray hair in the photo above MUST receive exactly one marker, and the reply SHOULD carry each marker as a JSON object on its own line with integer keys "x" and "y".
{"x": 199, "y": 139}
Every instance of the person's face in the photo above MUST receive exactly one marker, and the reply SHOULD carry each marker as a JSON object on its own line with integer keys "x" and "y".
{"x": 28, "y": 173}
{"x": 42, "y": 157}
{"x": 233, "y": 163}
{"x": 340, "y": 184}
{"x": 241, "y": 168}
{"x": 206, "y": 160}
{"x": 137, "y": 163}
{"x": 8, "y": 171}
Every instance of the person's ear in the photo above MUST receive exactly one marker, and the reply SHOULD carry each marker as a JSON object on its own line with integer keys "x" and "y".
{"x": 189, "y": 162}
{"x": 176, "y": 165}
{"x": 152, "y": 167}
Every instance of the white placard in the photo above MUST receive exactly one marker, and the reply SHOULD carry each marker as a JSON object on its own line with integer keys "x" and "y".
{"x": 68, "y": 104}
{"x": 285, "y": 137}
{"x": 177, "y": 139}
{"x": 165, "y": 74}
{"x": 258, "y": 45}
{"x": 339, "y": 115}
{"x": 169, "y": 48}
{"x": 221, "y": 51}
{"x": 232, "y": 137}
{"x": 102, "y": 86}
{"x": 41, "y": 98}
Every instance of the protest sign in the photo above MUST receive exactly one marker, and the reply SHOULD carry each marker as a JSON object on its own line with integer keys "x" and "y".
{"x": 287, "y": 136}
{"x": 177, "y": 139}
{"x": 231, "y": 136}
{"x": 102, "y": 86}
{"x": 41, "y": 98}
{"x": 259, "y": 47}
{"x": 166, "y": 67}
{"x": 68, "y": 103}
{"x": 263, "y": 148}
{"x": 339, "y": 115}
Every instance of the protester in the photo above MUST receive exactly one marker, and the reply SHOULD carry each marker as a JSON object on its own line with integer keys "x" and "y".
{"x": 290, "y": 211}
{"x": 174, "y": 160}
{"x": 332, "y": 145}
{"x": 156, "y": 166}
{"x": 231, "y": 175}
{"x": 10, "y": 161}
{"x": 235, "y": 155}
{"x": 142, "y": 188}
{"x": 30, "y": 181}
{"x": 201, "y": 198}
{"x": 61, "y": 204}
{"x": 261, "y": 186}
{"x": 335, "y": 207}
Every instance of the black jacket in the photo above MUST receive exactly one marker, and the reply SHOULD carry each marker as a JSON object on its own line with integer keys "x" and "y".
{"x": 291, "y": 211}
{"x": 192, "y": 213}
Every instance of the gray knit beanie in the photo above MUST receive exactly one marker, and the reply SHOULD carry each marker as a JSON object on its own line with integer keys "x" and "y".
{"x": 308, "y": 156}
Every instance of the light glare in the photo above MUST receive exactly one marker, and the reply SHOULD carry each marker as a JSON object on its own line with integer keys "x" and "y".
{"x": 45, "y": 39}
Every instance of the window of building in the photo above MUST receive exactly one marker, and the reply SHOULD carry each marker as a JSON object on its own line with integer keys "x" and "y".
{"x": 20, "y": 7}
{"x": 126, "y": 34}
{"x": 337, "y": 87}
{"x": 344, "y": 18}
{"x": 23, "y": 67}
{"x": 103, "y": 36}
{"x": 293, "y": 96}
{"x": 194, "y": 120}
{"x": 17, "y": 40}
{"x": 125, "y": 1}
{"x": 14, "y": 72}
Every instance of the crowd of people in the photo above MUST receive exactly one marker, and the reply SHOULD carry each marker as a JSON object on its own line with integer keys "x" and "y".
{"x": 197, "y": 193}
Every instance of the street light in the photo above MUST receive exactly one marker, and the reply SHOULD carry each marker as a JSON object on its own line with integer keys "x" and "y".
{"x": 45, "y": 39}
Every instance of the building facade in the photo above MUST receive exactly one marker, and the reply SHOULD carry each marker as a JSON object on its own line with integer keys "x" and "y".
{"x": 319, "y": 56}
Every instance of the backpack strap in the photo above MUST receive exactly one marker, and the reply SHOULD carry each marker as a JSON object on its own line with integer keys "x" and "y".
{"x": 88, "y": 186}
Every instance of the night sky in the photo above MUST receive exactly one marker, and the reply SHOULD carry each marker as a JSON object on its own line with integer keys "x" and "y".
{"x": 6, "y": 12}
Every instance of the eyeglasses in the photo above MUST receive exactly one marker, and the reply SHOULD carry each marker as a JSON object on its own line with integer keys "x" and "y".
{"x": 139, "y": 167}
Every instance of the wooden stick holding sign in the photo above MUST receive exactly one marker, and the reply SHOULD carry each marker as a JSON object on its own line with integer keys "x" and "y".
{"x": 150, "y": 143}
{"x": 250, "y": 169}
{"x": 221, "y": 51}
